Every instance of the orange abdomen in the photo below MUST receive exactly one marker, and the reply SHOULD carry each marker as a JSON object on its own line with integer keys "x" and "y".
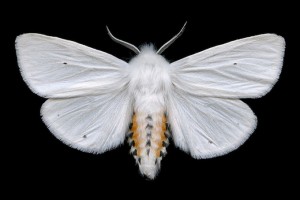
{"x": 148, "y": 137}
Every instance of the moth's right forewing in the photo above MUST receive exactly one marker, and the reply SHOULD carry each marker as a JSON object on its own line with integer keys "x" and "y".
{"x": 245, "y": 68}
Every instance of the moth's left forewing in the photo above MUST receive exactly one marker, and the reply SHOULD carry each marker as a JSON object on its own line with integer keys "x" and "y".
{"x": 58, "y": 68}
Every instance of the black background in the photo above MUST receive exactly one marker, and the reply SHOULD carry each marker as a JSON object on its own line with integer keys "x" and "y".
{"x": 37, "y": 161}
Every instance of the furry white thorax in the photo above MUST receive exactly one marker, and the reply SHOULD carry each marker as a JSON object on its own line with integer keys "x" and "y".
{"x": 150, "y": 81}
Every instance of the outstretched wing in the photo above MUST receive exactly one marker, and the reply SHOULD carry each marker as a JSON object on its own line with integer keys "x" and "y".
{"x": 204, "y": 112}
{"x": 58, "y": 68}
{"x": 93, "y": 123}
{"x": 207, "y": 127}
{"x": 89, "y": 106}
{"x": 245, "y": 68}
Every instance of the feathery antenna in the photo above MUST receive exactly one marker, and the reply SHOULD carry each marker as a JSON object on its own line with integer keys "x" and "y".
{"x": 125, "y": 44}
{"x": 166, "y": 45}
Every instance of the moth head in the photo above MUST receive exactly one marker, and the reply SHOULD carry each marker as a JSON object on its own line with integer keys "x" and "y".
{"x": 136, "y": 50}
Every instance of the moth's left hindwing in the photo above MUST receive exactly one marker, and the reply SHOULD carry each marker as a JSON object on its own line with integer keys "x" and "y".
{"x": 89, "y": 106}
{"x": 92, "y": 123}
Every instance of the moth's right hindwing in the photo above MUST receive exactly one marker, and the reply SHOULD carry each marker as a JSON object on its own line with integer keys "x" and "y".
{"x": 89, "y": 106}
{"x": 208, "y": 127}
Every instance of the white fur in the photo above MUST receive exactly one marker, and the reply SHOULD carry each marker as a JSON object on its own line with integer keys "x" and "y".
{"x": 93, "y": 94}
{"x": 150, "y": 81}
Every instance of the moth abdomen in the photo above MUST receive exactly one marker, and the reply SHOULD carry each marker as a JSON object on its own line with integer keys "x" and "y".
{"x": 148, "y": 141}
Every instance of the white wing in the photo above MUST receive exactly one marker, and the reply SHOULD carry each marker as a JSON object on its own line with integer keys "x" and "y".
{"x": 91, "y": 124}
{"x": 206, "y": 117}
{"x": 208, "y": 127}
{"x": 90, "y": 106}
{"x": 57, "y": 68}
{"x": 245, "y": 68}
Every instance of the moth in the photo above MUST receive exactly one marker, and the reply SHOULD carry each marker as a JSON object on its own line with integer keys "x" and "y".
{"x": 97, "y": 101}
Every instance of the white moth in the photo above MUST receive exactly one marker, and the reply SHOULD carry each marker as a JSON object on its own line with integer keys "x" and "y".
{"x": 93, "y": 96}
